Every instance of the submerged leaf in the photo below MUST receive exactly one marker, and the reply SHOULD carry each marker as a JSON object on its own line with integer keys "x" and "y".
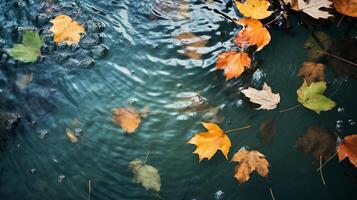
{"x": 348, "y": 148}
{"x": 317, "y": 142}
{"x": 192, "y": 43}
{"x": 127, "y": 118}
{"x": 265, "y": 97}
{"x": 66, "y": 30}
{"x": 249, "y": 161}
{"x": 253, "y": 33}
{"x": 71, "y": 135}
{"x": 24, "y": 80}
{"x": 208, "y": 143}
{"x": 29, "y": 49}
{"x": 318, "y": 41}
{"x": 311, "y": 96}
{"x": 267, "y": 131}
{"x": 233, "y": 63}
{"x": 312, "y": 71}
{"x": 256, "y": 9}
{"x": 147, "y": 175}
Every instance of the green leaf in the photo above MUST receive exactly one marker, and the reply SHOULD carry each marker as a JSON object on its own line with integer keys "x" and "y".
{"x": 311, "y": 96}
{"x": 29, "y": 50}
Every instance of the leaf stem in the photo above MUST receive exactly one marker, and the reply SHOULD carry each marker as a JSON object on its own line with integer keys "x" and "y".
{"x": 328, "y": 160}
{"x": 292, "y": 108}
{"x": 322, "y": 176}
{"x": 271, "y": 194}
{"x": 281, "y": 13}
{"x": 337, "y": 57}
{"x": 238, "y": 129}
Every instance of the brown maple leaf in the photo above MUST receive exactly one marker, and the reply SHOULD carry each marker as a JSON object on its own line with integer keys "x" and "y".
{"x": 248, "y": 162}
{"x": 312, "y": 72}
{"x": 317, "y": 142}
{"x": 267, "y": 131}
{"x": 348, "y": 148}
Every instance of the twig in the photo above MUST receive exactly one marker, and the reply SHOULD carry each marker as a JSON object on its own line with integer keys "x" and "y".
{"x": 224, "y": 15}
{"x": 318, "y": 169}
{"x": 322, "y": 176}
{"x": 334, "y": 92}
{"x": 339, "y": 22}
{"x": 271, "y": 194}
{"x": 147, "y": 156}
{"x": 337, "y": 57}
{"x": 238, "y": 129}
{"x": 292, "y": 108}
{"x": 281, "y": 13}
{"x": 89, "y": 189}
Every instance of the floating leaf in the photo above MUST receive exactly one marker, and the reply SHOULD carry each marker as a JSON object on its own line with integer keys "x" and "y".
{"x": 24, "y": 80}
{"x": 346, "y": 7}
{"x": 311, "y": 97}
{"x": 30, "y": 48}
{"x": 348, "y": 148}
{"x": 311, "y": 7}
{"x": 66, "y": 30}
{"x": 71, "y": 135}
{"x": 127, "y": 118}
{"x": 317, "y": 42}
{"x": 267, "y": 131}
{"x": 147, "y": 175}
{"x": 312, "y": 71}
{"x": 253, "y": 33}
{"x": 265, "y": 97}
{"x": 233, "y": 63}
{"x": 317, "y": 142}
{"x": 248, "y": 162}
{"x": 257, "y": 9}
{"x": 208, "y": 143}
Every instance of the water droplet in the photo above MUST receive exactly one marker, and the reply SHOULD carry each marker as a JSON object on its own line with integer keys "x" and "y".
{"x": 219, "y": 195}
{"x": 43, "y": 134}
{"x": 61, "y": 178}
{"x": 340, "y": 110}
{"x": 78, "y": 132}
{"x": 33, "y": 170}
{"x": 19, "y": 146}
{"x": 351, "y": 122}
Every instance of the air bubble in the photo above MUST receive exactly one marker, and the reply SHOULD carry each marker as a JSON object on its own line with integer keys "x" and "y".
{"x": 219, "y": 195}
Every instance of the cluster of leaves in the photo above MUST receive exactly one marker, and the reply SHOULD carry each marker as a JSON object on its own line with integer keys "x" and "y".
{"x": 65, "y": 30}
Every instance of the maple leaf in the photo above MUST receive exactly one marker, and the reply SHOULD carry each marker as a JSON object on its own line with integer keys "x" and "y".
{"x": 248, "y": 162}
{"x": 317, "y": 42}
{"x": 208, "y": 143}
{"x": 29, "y": 49}
{"x": 311, "y": 7}
{"x": 257, "y": 9}
{"x": 346, "y": 7}
{"x": 265, "y": 97}
{"x": 128, "y": 118}
{"x": 312, "y": 71}
{"x": 253, "y": 33}
{"x": 311, "y": 97}
{"x": 317, "y": 142}
{"x": 192, "y": 43}
{"x": 348, "y": 148}
{"x": 233, "y": 63}
{"x": 147, "y": 175}
{"x": 66, "y": 30}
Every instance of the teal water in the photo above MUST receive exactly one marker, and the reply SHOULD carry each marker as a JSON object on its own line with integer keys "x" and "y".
{"x": 145, "y": 67}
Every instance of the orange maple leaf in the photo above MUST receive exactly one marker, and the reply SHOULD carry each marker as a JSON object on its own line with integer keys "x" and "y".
{"x": 248, "y": 162}
{"x": 257, "y": 9}
{"x": 253, "y": 33}
{"x": 66, "y": 30}
{"x": 208, "y": 143}
{"x": 348, "y": 148}
{"x": 128, "y": 118}
{"x": 233, "y": 63}
{"x": 346, "y": 7}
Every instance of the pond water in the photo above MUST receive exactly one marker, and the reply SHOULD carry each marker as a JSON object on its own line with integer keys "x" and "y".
{"x": 146, "y": 65}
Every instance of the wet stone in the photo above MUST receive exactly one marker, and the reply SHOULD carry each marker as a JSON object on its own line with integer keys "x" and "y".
{"x": 61, "y": 178}
{"x": 33, "y": 170}
{"x": 61, "y": 57}
{"x": 42, "y": 19}
{"x": 94, "y": 26}
{"x": 72, "y": 63}
{"x": 87, "y": 42}
{"x": 87, "y": 63}
{"x": 9, "y": 121}
{"x": 98, "y": 51}
{"x": 77, "y": 132}
{"x": 43, "y": 134}
{"x": 219, "y": 195}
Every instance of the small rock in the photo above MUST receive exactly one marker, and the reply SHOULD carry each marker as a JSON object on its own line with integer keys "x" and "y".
{"x": 340, "y": 110}
{"x": 87, "y": 42}
{"x": 98, "y": 51}
{"x": 43, "y": 134}
{"x": 87, "y": 63}
{"x": 61, "y": 57}
{"x": 33, "y": 170}
{"x": 42, "y": 19}
{"x": 9, "y": 120}
{"x": 219, "y": 195}
{"x": 77, "y": 132}
{"x": 61, "y": 178}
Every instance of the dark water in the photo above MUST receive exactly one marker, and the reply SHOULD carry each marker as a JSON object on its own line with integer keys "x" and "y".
{"x": 145, "y": 67}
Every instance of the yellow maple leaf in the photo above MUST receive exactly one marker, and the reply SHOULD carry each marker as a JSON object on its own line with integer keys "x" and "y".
{"x": 257, "y": 9}
{"x": 208, "y": 143}
{"x": 66, "y": 30}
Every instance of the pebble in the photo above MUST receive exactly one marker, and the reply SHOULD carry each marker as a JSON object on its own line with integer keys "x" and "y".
{"x": 61, "y": 178}
{"x": 33, "y": 170}
{"x": 77, "y": 132}
{"x": 340, "y": 110}
{"x": 219, "y": 195}
{"x": 43, "y": 134}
